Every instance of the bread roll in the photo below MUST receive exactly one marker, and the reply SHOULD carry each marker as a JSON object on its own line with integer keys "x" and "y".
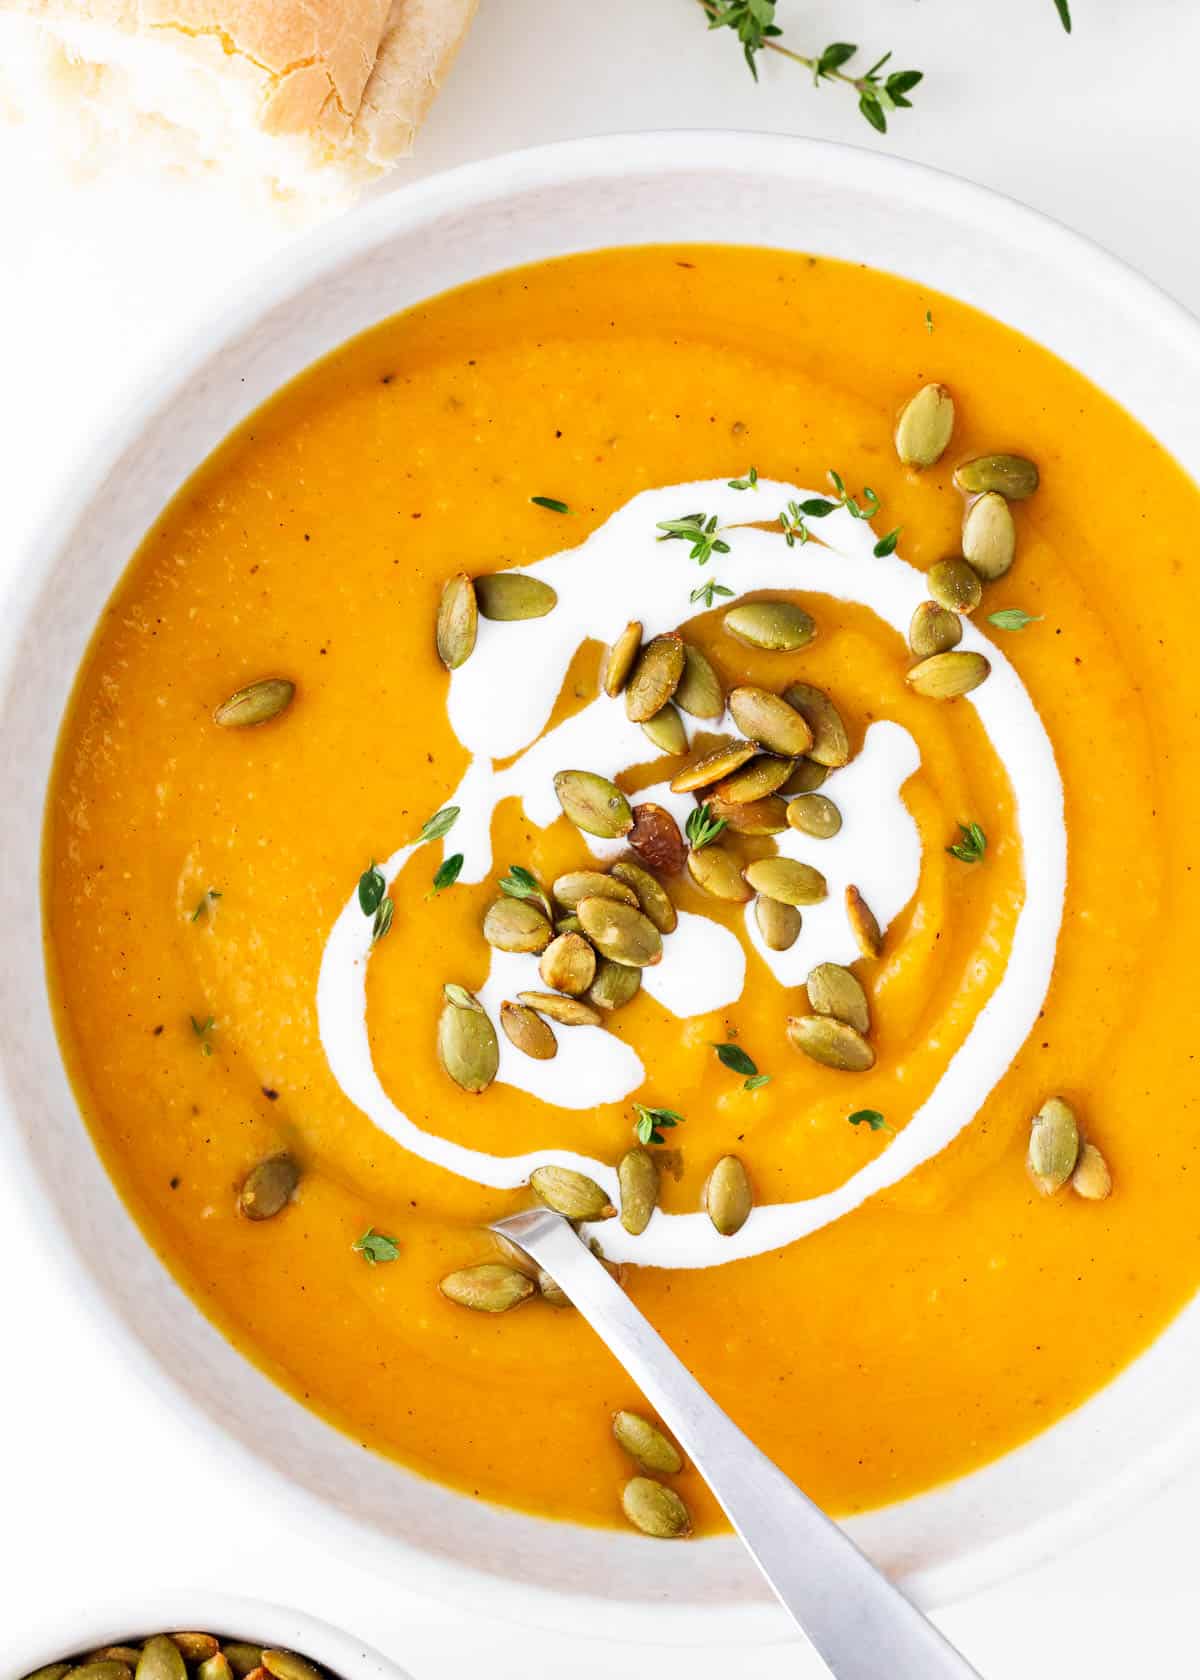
{"x": 316, "y": 97}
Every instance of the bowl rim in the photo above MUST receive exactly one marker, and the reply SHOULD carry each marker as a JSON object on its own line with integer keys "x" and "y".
{"x": 469, "y": 187}
{"x": 85, "y": 1627}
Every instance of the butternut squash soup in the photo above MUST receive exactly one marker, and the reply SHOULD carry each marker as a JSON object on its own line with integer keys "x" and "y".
{"x": 699, "y": 737}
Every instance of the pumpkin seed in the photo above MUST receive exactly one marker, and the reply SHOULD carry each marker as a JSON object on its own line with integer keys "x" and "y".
{"x": 778, "y": 923}
{"x": 462, "y": 999}
{"x": 833, "y": 1043}
{"x": 102, "y": 1671}
{"x": 787, "y": 880}
{"x": 833, "y": 990}
{"x": 712, "y": 766}
{"x": 655, "y": 678}
{"x": 490, "y": 1288}
{"x": 570, "y": 1193}
{"x": 621, "y": 656}
{"x": 457, "y": 622}
{"x": 161, "y": 1659}
{"x": 1091, "y": 1178}
{"x": 666, "y": 732}
{"x": 777, "y": 626}
{"x": 954, "y": 585}
{"x": 51, "y": 1671}
{"x": 807, "y": 776}
{"x": 516, "y": 924}
{"x": 568, "y": 889}
{"x": 568, "y": 964}
{"x": 528, "y": 1032}
{"x": 646, "y": 1444}
{"x": 1053, "y": 1145}
{"x": 756, "y": 780}
{"x": 831, "y": 742}
{"x": 813, "y": 814}
{"x": 728, "y": 1197}
{"x": 568, "y": 924}
{"x": 863, "y": 924}
{"x": 268, "y": 1187}
{"x": 989, "y": 537}
{"x": 637, "y": 1177}
{"x": 242, "y": 1657}
{"x": 656, "y": 839}
{"x": 286, "y": 1665}
{"x": 699, "y": 693}
{"x": 593, "y": 803}
{"x": 924, "y": 427}
{"x": 756, "y": 816}
{"x": 563, "y": 1011}
{"x": 657, "y": 1510}
{"x": 946, "y": 676}
{"x": 1011, "y": 476}
{"x": 195, "y": 1647}
{"x": 552, "y": 1291}
{"x": 768, "y": 719}
{"x": 933, "y": 629}
{"x": 620, "y": 933}
{"x": 468, "y": 1048}
{"x": 215, "y": 1668}
{"x": 615, "y": 984}
{"x": 717, "y": 872}
{"x": 258, "y": 703}
{"x": 511, "y": 596}
{"x": 652, "y": 898}
{"x": 131, "y": 1655}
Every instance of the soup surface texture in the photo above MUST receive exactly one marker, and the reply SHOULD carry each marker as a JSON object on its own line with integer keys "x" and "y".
{"x": 903, "y": 1302}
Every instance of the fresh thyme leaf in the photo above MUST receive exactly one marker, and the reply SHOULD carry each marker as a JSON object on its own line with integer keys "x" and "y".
{"x": 1013, "y": 618}
{"x": 735, "y": 1058}
{"x": 205, "y": 903}
{"x": 383, "y": 920}
{"x": 756, "y": 1082}
{"x": 816, "y": 507}
{"x": 707, "y": 590}
{"x": 439, "y": 824}
{"x": 371, "y": 888}
{"x": 375, "y": 1248}
{"x": 866, "y": 509}
{"x": 700, "y": 530}
{"x": 791, "y": 523}
{"x": 869, "y": 1117}
{"x": 929, "y": 320}
{"x": 447, "y": 873}
{"x": 869, "y": 105}
{"x": 651, "y": 1122}
{"x": 887, "y": 545}
{"x": 202, "y": 1030}
{"x": 750, "y": 482}
{"x": 523, "y": 883}
{"x": 1063, "y": 8}
{"x": 971, "y": 847}
{"x": 702, "y": 828}
{"x": 550, "y": 502}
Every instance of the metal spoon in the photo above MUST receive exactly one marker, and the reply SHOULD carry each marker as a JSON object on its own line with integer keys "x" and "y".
{"x": 861, "y": 1625}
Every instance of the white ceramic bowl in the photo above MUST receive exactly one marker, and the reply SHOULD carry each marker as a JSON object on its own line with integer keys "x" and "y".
{"x": 1065, "y": 293}
{"x": 72, "y": 1630}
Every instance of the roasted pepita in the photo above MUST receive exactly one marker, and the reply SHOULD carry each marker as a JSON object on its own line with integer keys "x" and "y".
{"x": 666, "y": 732}
{"x": 563, "y": 1011}
{"x": 699, "y": 693}
{"x": 814, "y": 814}
{"x": 257, "y": 703}
{"x": 933, "y": 629}
{"x": 834, "y": 990}
{"x": 468, "y": 1048}
{"x": 718, "y": 873}
{"x": 1091, "y": 1178}
{"x": 1012, "y": 476}
{"x": 622, "y": 934}
{"x": 646, "y": 1444}
{"x": 457, "y": 622}
{"x": 511, "y": 596}
{"x": 989, "y": 537}
{"x": 651, "y": 896}
{"x": 925, "y": 426}
{"x": 655, "y": 678}
{"x": 778, "y": 923}
{"x": 527, "y": 1032}
{"x": 568, "y": 964}
{"x": 713, "y": 765}
{"x": 758, "y": 779}
{"x": 269, "y": 1186}
{"x": 614, "y": 986}
{"x": 833, "y": 1043}
{"x": 777, "y": 626}
{"x": 787, "y": 880}
{"x": 728, "y": 1198}
{"x": 863, "y": 923}
{"x": 806, "y": 776}
{"x": 516, "y": 924}
{"x": 570, "y": 1193}
{"x": 1053, "y": 1145}
{"x": 946, "y": 676}
{"x": 637, "y": 1177}
{"x": 831, "y": 741}
{"x": 621, "y": 656}
{"x": 656, "y": 839}
{"x": 490, "y": 1288}
{"x": 287, "y": 1665}
{"x": 768, "y": 815}
{"x": 161, "y": 1659}
{"x": 568, "y": 889}
{"x": 593, "y": 803}
{"x": 657, "y": 1510}
{"x": 195, "y": 1647}
{"x": 954, "y": 585}
{"x": 767, "y": 719}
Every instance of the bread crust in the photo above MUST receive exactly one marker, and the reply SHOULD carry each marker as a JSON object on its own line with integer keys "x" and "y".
{"x": 350, "y": 76}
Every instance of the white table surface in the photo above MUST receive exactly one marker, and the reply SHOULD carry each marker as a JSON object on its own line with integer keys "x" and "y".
{"x": 98, "y": 281}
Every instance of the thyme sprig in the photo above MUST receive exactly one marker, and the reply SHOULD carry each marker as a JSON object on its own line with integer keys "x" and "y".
{"x": 651, "y": 1122}
{"x": 972, "y": 845}
{"x": 753, "y": 22}
{"x": 707, "y": 591}
{"x": 699, "y": 529}
{"x": 702, "y": 828}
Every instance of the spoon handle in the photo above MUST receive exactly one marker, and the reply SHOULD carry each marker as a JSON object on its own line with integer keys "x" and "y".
{"x": 861, "y": 1625}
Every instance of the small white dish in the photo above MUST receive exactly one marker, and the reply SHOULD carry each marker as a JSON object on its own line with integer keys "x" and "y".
{"x": 74, "y": 1630}
{"x": 1016, "y": 265}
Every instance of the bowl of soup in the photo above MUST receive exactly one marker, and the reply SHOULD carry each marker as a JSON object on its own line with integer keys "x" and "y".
{"x": 651, "y": 676}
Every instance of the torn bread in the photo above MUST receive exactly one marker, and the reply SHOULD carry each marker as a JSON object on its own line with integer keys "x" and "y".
{"x": 316, "y": 97}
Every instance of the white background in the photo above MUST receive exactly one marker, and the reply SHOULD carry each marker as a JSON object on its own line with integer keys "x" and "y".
{"x": 99, "y": 281}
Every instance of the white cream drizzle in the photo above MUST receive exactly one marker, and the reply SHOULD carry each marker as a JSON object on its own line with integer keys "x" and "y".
{"x": 618, "y": 572}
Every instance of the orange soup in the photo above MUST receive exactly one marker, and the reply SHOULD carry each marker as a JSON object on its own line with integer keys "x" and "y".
{"x": 698, "y": 736}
